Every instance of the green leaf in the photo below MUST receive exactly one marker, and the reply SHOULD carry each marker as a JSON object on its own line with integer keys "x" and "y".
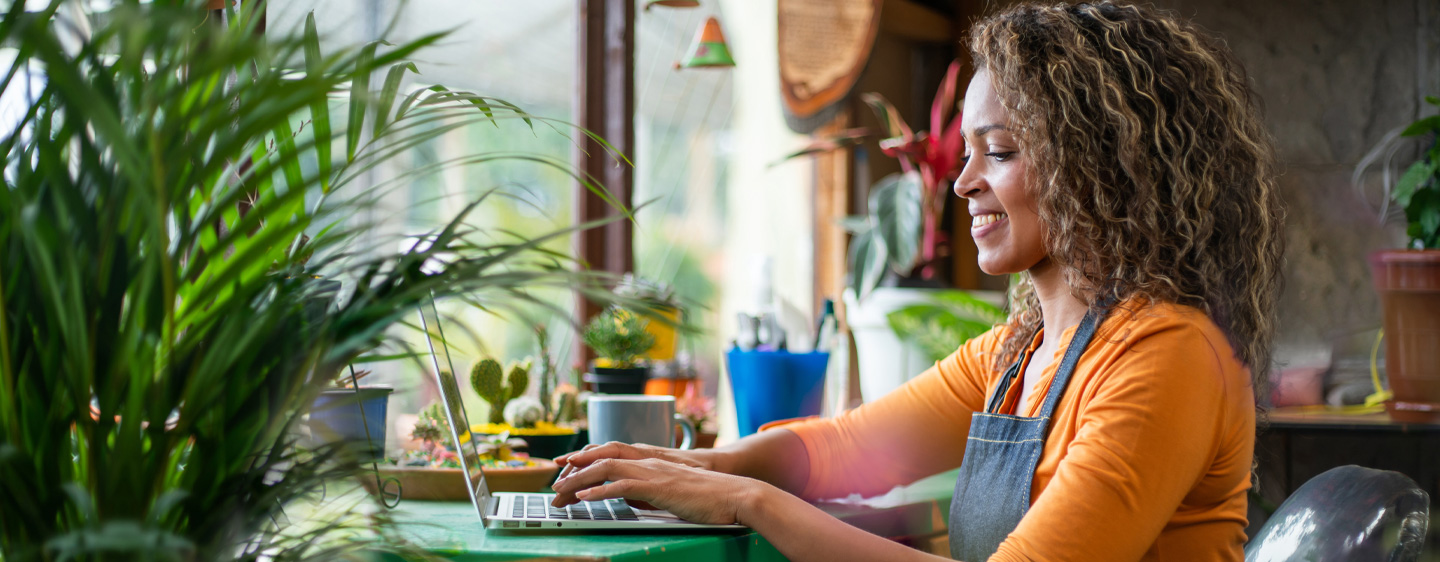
{"x": 387, "y": 94}
{"x": 867, "y": 262}
{"x": 854, "y": 224}
{"x": 1430, "y": 222}
{"x": 1428, "y": 124}
{"x": 895, "y": 211}
{"x": 359, "y": 98}
{"x": 1411, "y": 180}
{"x": 895, "y": 126}
{"x": 941, "y": 326}
{"x": 1432, "y": 100}
{"x": 965, "y": 305}
{"x": 320, "y": 108}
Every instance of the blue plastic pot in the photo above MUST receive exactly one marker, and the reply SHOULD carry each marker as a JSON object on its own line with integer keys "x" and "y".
{"x": 775, "y": 385}
{"x": 336, "y": 417}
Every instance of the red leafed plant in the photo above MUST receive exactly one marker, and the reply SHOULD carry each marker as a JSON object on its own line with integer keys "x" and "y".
{"x": 902, "y": 228}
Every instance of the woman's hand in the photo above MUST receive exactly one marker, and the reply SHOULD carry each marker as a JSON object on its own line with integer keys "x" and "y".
{"x": 693, "y": 493}
{"x": 617, "y": 450}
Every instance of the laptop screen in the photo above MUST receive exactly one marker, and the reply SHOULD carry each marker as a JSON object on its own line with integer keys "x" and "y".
{"x": 454, "y": 408}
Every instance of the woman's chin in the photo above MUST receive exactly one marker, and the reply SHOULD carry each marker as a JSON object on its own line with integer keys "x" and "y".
{"x": 996, "y": 266}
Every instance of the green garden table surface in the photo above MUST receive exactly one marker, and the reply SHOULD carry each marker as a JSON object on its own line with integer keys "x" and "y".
{"x": 914, "y": 515}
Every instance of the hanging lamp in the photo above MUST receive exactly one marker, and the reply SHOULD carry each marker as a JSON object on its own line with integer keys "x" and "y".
{"x": 709, "y": 49}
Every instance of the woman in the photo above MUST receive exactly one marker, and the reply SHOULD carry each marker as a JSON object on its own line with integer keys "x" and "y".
{"x": 1115, "y": 157}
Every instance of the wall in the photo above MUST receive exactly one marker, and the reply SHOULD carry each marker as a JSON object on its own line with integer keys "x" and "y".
{"x": 1334, "y": 77}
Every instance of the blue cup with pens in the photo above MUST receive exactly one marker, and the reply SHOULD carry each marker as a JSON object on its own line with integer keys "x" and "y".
{"x": 775, "y": 385}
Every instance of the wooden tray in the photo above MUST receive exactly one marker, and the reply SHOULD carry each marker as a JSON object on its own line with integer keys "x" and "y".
{"x": 448, "y": 484}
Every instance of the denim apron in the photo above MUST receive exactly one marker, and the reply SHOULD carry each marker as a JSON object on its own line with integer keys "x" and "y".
{"x": 993, "y": 491}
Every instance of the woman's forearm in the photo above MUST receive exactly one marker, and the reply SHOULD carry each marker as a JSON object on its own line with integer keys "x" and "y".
{"x": 776, "y": 456}
{"x": 802, "y": 532}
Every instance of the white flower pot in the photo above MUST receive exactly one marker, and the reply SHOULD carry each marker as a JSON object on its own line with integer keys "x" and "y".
{"x": 885, "y": 361}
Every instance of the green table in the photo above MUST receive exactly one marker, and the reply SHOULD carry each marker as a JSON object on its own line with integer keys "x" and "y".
{"x": 914, "y": 514}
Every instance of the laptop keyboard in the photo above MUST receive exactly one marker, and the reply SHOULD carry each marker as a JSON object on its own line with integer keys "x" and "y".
{"x": 538, "y": 507}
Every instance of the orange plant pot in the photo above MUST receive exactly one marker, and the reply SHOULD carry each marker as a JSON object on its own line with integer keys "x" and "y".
{"x": 1409, "y": 285}
{"x": 668, "y": 386}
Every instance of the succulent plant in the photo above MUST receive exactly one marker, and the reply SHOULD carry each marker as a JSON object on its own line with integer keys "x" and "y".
{"x": 490, "y": 382}
{"x": 618, "y": 335}
{"x": 430, "y": 426}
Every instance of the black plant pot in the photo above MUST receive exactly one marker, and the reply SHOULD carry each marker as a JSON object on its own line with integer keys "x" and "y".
{"x": 609, "y": 380}
{"x": 550, "y": 446}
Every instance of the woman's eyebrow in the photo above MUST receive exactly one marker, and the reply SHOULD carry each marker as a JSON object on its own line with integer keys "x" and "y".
{"x": 980, "y": 132}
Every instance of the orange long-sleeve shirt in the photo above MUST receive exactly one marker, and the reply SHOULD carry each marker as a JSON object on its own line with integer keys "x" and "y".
{"x": 1148, "y": 456}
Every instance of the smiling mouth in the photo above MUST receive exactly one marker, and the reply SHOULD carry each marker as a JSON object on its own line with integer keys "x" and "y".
{"x": 986, "y": 220}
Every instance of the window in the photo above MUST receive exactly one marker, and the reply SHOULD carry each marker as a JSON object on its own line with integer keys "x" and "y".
{"x": 683, "y": 150}
{"x": 523, "y": 53}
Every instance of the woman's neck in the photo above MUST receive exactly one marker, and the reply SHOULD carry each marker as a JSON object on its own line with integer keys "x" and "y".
{"x": 1058, "y": 305}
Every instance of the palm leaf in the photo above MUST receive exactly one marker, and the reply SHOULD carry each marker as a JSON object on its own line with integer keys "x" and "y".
{"x": 156, "y": 354}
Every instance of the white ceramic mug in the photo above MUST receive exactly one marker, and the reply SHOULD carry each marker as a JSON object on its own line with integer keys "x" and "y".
{"x": 637, "y": 418}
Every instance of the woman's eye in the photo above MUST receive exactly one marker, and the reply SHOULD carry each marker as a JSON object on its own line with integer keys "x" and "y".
{"x": 1000, "y": 156}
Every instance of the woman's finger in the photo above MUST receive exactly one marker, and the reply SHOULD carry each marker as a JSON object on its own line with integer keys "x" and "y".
{"x": 565, "y": 458}
{"x": 595, "y": 474}
{"x": 611, "y": 450}
{"x": 629, "y": 489}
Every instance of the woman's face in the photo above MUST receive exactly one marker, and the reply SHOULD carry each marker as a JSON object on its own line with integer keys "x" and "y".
{"x": 1005, "y": 225}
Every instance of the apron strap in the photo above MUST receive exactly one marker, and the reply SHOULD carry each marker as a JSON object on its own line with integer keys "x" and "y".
{"x": 1078, "y": 343}
{"x": 998, "y": 397}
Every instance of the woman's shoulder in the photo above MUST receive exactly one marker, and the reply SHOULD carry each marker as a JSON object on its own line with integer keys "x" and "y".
{"x": 1174, "y": 337}
{"x": 1137, "y": 319}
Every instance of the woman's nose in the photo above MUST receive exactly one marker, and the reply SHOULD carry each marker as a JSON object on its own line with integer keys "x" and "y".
{"x": 968, "y": 185}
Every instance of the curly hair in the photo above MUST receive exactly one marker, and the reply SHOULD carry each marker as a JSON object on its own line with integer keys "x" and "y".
{"x": 1152, "y": 169}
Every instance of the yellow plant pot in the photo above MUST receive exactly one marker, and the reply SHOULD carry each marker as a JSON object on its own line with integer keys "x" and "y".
{"x": 665, "y": 335}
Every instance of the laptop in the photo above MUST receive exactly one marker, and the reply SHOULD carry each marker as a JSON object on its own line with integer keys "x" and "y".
{"x": 517, "y": 511}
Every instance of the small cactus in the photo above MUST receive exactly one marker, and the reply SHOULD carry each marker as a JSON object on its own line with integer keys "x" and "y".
{"x": 563, "y": 403}
{"x": 547, "y": 373}
{"x": 489, "y": 381}
{"x": 519, "y": 378}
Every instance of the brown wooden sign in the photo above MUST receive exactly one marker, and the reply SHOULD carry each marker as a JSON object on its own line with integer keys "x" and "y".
{"x": 823, "y": 45}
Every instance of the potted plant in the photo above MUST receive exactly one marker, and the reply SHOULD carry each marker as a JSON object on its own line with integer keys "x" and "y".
{"x": 662, "y": 306}
{"x": 899, "y": 240}
{"x": 699, "y": 410}
{"x": 556, "y": 433}
{"x": 160, "y": 216}
{"x": 432, "y": 470}
{"x": 1408, "y": 281}
{"x": 544, "y": 426}
{"x": 950, "y": 317}
{"x": 489, "y": 381}
{"x": 353, "y": 415}
{"x": 619, "y": 339}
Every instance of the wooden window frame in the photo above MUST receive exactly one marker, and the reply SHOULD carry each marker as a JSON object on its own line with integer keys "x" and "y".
{"x": 604, "y": 105}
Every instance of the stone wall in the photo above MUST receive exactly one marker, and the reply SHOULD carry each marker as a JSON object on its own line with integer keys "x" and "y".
{"x": 1334, "y": 77}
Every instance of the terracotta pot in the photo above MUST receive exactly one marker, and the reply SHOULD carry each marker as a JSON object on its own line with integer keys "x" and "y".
{"x": 448, "y": 484}
{"x": 703, "y": 440}
{"x": 1409, "y": 285}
